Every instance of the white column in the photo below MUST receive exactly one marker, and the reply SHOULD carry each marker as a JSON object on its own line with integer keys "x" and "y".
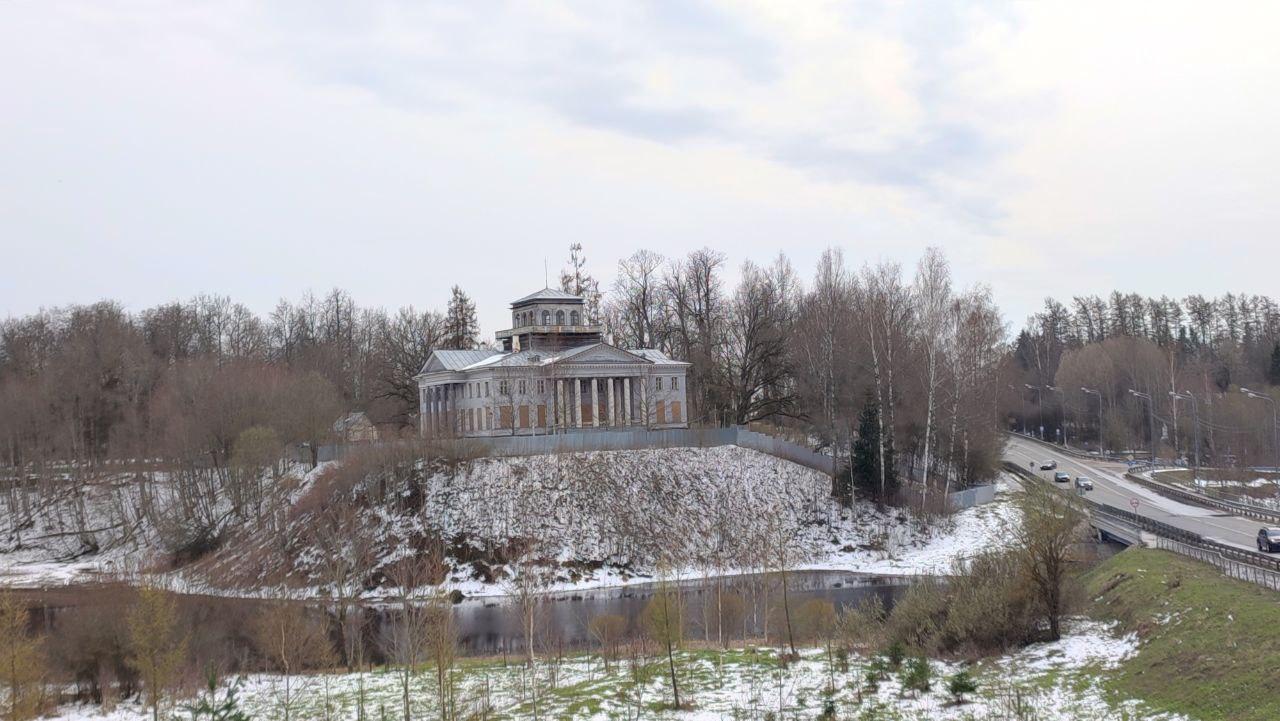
{"x": 558, "y": 409}
{"x": 577, "y": 402}
{"x": 432, "y": 410}
{"x": 644, "y": 402}
{"x": 439, "y": 393}
{"x": 595, "y": 402}
{"x": 627, "y": 416}
{"x": 611, "y": 418}
{"x": 446, "y": 399}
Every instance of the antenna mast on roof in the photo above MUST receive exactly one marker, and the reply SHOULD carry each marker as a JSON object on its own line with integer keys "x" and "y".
{"x": 546, "y": 277}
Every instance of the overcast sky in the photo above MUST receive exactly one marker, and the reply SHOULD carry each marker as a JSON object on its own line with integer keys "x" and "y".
{"x": 150, "y": 151}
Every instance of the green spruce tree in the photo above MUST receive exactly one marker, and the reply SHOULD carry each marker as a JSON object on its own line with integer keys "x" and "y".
{"x": 866, "y": 451}
{"x": 461, "y": 325}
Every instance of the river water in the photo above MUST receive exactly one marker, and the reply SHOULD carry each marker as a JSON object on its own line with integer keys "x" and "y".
{"x": 748, "y": 604}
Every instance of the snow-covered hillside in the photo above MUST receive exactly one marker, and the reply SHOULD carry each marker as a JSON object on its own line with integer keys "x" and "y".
{"x": 597, "y": 518}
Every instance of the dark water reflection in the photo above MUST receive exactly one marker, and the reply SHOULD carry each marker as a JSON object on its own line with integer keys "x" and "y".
{"x": 748, "y": 604}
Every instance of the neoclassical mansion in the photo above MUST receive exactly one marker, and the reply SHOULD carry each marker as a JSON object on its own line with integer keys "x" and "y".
{"x": 554, "y": 374}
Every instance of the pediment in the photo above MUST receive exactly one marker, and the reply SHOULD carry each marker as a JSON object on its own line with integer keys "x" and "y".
{"x": 432, "y": 365}
{"x": 600, "y": 353}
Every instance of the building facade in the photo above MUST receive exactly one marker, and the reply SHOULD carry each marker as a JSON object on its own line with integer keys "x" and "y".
{"x": 554, "y": 374}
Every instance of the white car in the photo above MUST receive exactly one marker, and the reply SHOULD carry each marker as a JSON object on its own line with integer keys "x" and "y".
{"x": 1084, "y": 484}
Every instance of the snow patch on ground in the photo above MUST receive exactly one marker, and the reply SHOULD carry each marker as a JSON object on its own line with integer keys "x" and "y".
{"x": 1060, "y": 681}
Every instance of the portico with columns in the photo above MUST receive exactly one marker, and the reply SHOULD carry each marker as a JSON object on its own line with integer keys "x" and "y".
{"x": 549, "y": 382}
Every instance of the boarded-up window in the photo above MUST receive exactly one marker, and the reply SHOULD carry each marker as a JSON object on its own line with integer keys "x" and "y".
{"x": 524, "y": 416}
{"x": 504, "y": 418}
{"x": 662, "y": 412}
{"x": 586, "y": 414}
{"x": 675, "y": 412}
{"x": 542, "y": 415}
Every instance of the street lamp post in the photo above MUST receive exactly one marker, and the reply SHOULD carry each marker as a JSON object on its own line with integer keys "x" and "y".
{"x": 1063, "y": 423}
{"x": 1195, "y": 419}
{"x": 1040, "y": 403}
{"x": 1102, "y": 447}
{"x": 1022, "y": 398}
{"x": 1275, "y": 428}
{"x": 1151, "y": 413}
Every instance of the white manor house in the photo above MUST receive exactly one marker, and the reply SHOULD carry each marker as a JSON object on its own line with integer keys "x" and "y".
{"x": 554, "y": 374}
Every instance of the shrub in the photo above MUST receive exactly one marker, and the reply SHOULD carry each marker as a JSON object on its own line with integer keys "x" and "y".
{"x": 917, "y": 619}
{"x": 917, "y": 674}
{"x": 960, "y": 684}
{"x": 863, "y": 627}
{"x": 893, "y": 655}
{"x": 211, "y": 708}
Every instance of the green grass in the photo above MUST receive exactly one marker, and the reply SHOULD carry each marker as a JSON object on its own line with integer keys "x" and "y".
{"x": 1210, "y": 645}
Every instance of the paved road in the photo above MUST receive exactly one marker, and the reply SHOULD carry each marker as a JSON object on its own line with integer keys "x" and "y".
{"x": 1111, "y": 488}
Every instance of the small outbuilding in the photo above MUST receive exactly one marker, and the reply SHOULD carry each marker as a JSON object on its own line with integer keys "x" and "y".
{"x": 355, "y": 427}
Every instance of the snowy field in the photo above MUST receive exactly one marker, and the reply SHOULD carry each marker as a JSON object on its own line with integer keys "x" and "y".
{"x": 1062, "y": 681}
{"x": 603, "y": 519}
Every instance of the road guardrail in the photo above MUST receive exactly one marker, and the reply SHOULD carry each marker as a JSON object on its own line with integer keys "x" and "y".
{"x": 1164, "y": 530}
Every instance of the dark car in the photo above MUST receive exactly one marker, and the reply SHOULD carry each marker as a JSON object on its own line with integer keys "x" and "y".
{"x": 1062, "y": 477}
{"x": 1048, "y": 465}
{"x": 1084, "y": 484}
{"x": 1269, "y": 540}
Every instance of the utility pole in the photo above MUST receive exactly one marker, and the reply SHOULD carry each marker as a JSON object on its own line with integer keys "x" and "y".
{"x": 1275, "y": 429}
{"x": 1151, "y": 413}
{"x": 1195, "y": 419}
{"x": 1102, "y": 446}
{"x": 1063, "y": 423}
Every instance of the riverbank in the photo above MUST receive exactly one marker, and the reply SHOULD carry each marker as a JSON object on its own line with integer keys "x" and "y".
{"x": 1209, "y": 646}
{"x": 1060, "y": 681}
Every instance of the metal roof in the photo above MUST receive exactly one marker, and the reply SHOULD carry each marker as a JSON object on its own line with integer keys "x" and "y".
{"x": 656, "y": 356}
{"x": 547, "y": 294}
{"x": 454, "y": 360}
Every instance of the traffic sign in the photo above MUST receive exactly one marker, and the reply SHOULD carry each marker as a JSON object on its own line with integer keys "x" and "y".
{"x": 1134, "y": 502}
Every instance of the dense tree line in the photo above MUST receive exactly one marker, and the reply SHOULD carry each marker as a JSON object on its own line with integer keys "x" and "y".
{"x": 213, "y": 391}
{"x": 918, "y": 354}
{"x": 1202, "y": 348}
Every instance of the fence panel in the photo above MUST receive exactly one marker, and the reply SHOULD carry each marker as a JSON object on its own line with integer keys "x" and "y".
{"x": 623, "y": 440}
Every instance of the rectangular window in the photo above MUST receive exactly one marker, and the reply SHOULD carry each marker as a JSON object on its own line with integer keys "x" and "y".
{"x": 657, "y": 383}
{"x": 504, "y": 388}
{"x": 542, "y": 386}
{"x": 675, "y": 383}
{"x": 523, "y": 388}
{"x": 486, "y": 389}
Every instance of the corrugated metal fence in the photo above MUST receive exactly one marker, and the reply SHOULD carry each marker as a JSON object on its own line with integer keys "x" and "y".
{"x": 627, "y": 440}
{"x": 969, "y": 497}
{"x": 616, "y": 440}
